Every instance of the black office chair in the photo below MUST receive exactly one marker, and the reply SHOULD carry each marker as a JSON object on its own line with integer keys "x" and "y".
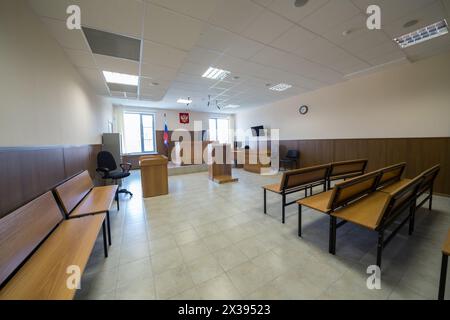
{"x": 291, "y": 159}
{"x": 107, "y": 166}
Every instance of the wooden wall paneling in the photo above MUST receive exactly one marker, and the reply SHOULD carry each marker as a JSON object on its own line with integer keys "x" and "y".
{"x": 76, "y": 159}
{"x": 27, "y": 174}
{"x": 396, "y": 151}
{"x": 423, "y": 153}
{"x": 350, "y": 149}
{"x": 286, "y": 145}
{"x": 376, "y": 153}
{"x": 315, "y": 152}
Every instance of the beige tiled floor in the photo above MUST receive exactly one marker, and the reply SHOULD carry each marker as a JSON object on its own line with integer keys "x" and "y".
{"x": 209, "y": 241}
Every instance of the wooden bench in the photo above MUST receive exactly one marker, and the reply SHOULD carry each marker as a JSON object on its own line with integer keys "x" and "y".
{"x": 346, "y": 169}
{"x": 37, "y": 246}
{"x": 391, "y": 180}
{"x": 295, "y": 181}
{"x": 79, "y": 198}
{"x": 444, "y": 265}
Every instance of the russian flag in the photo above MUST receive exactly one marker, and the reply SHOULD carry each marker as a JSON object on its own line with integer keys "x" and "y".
{"x": 166, "y": 134}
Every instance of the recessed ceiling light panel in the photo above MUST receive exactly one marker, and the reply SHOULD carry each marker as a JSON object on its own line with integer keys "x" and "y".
{"x": 215, "y": 74}
{"x": 232, "y": 106}
{"x": 424, "y": 34}
{"x": 280, "y": 87}
{"x": 121, "y": 78}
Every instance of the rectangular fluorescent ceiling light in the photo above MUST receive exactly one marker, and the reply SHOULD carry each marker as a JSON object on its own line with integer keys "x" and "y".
{"x": 215, "y": 74}
{"x": 184, "y": 101}
{"x": 280, "y": 87}
{"x": 232, "y": 106}
{"x": 121, "y": 78}
{"x": 427, "y": 33}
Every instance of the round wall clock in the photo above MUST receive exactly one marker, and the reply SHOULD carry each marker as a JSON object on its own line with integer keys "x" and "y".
{"x": 303, "y": 110}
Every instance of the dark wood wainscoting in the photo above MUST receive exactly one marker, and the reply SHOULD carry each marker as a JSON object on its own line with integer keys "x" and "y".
{"x": 31, "y": 171}
{"x": 418, "y": 153}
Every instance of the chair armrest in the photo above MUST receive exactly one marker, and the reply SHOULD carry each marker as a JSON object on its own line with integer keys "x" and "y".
{"x": 103, "y": 171}
{"x": 125, "y": 166}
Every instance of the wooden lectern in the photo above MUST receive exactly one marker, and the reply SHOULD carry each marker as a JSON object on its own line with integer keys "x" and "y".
{"x": 219, "y": 170}
{"x": 154, "y": 175}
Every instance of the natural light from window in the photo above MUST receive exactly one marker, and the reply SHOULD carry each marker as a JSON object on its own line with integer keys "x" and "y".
{"x": 219, "y": 130}
{"x": 139, "y": 132}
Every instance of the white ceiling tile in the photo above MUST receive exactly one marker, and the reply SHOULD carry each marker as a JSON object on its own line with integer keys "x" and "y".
{"x": 157, "y": 72}
{"x": 81, "y": 58}
{"x": 426, "y": 16}
{"x": 293, "y": 39}
{"x": 385, "y": 48}
{"x": 55, "y": 9}
{"x": 352, "y": 28}
{"x": 264, "y": 3}
{"x": 267, "y": 27}
{"x": 330, "y": 15}
{"x": 203, "y": 56}
{"x": 193, "y": 68}
{"x": 200, "y": 9}
{"x": 215, "y": 38}
{"x": 386, "y": 58}
{"x": 113, "y": 64}
{"x": 365, "y": 40}
{"x": 162, "y": 55}
{"x": 235, "y": 15}
{"x": 243, "y": 48}
{"x": 392, "y": 10}
{"x": 147, "y": 88}
{"x": 70, "y": 39}
{"x": 170, "y": 28}
{"x": 116, "y": 16}
{"x": 287, "y": 8}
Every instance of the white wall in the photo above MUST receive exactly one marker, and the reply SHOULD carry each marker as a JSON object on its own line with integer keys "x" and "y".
{"x": 411, "y": 100}
{"x": 44, "y": 101}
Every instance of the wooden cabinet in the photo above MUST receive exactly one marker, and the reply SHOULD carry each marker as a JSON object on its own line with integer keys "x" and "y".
{"x": 154, "y": 176}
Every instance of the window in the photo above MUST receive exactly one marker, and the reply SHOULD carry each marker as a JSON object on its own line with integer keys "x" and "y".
{"x": 139, "y": 132}
{"x": 219, "y": 130}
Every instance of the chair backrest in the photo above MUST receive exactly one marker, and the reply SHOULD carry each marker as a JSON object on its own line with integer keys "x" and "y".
{"x": 292, "y": 154}
{"x": 391, "y": 174}
{"x": 105, "y": 159}
{"x": 71, "y": 192}
{"x": 300, "y": 177}
{"x": 350, "y": 167}
{"x": 429, "y": 176}
{"x": 24, "y": 229}
{"x": 352, "y": 189}
{"x": 400, "y": 199}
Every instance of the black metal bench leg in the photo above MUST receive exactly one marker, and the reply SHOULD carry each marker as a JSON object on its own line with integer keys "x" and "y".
{"x": 328, "y": 184}
{"x": 105, "y": 244}
{"x": 380, "y": 247}
{"x": 412, "y": 214}
{"x": 265, "y": 205}
{"x": 306, "y": 192}
{"x": 332, "y": 237}
{"x": 299, "y": 220}
{"x": 109, "y": 227}
{"x": 283, "y": 209}
{"x": 443, "y": 278}
{"x": 430, "y": 202}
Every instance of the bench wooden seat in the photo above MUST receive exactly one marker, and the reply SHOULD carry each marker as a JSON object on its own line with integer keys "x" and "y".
{"x": 99, "y": 200}
{"x": 79, "y": 197}
{"x": 297, "y": 180}
{"x": 38, "y": 246}
{"x": 318, "y": 202}
{"x": 366, "y": 212}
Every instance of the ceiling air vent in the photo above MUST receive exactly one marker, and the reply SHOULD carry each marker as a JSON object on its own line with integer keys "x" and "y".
{"x": 114, "y": 45}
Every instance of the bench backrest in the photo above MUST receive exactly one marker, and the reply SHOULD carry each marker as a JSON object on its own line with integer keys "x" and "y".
{"x": 352, "y": 189}
{"x": 400, "y": 200}
{"x": 24, "y": 229}
{"x": 391, "y": 174}
{"x": 429, "y": 177}
{"x": 347, "y": 167}
{"x": 300, "y": 177}
{"x": 71, "y": 192}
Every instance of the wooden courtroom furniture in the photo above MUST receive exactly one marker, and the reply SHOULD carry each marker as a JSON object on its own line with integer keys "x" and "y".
{"x": 79, "y": 197}
{"x": 357, "y": 201}
{"x": 444, "y": 265}
{"x": 346, "y": 169}
{"x": 154, "y": 176}
{"x": 219, "y": 163}
{"x": 295, "y": 181}
{"x": 38, "y": 246}
{"x": 253, "y": 163}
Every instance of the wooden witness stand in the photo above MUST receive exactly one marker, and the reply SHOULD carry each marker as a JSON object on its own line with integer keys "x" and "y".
{"x": 220, "y": 172}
